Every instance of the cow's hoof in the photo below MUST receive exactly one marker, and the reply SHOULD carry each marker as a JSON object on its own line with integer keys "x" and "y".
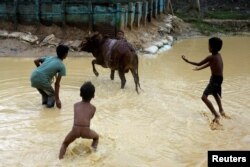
{"x": 96, "y": 74}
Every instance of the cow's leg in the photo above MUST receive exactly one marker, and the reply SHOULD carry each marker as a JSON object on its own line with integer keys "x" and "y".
{"x": 94, "y": 70}
{"x": 112, "y": 74}
{"x": 122, "y": 77}
{"x": 136, "y": 79}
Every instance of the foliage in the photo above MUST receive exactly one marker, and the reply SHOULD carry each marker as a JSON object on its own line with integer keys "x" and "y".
{"x": 239, "y": 15}
{"x": 207, "y": 28}
{"x": 221, "y": 26}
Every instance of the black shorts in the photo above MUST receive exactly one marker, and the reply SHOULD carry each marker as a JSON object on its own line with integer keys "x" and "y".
{"x": 214, "y": 86}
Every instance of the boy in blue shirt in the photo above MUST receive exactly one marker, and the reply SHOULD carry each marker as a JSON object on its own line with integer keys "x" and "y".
{"x": 41, "y": 78}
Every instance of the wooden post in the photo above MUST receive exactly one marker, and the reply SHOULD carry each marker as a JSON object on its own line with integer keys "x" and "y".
{"x": 63, "y": 5}
{"x": 138, "y": 13}
{"x": 15, "y": 14}
{"x": 168, "y": 7}
{"x": 195, "y": 5}
{"x": 155, "y": 5}
{"x": 159, "y": 6}
{"x": 37, "y": 10}
{"x": 144, "y": 12}
{"x": 171, "y": 7}
{"x": 123, "y": 17}
{"x": 91, "y": 18}
{"x": 130, "y": 15}
{"x": 150, "y": 10}
{"x": 118, "y": 17}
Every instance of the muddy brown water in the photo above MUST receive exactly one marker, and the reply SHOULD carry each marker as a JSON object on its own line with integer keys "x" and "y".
{"x": 165, "y": 125}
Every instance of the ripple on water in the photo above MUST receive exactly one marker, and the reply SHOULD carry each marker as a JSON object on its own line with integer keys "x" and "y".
{"x": 167, "y": 123}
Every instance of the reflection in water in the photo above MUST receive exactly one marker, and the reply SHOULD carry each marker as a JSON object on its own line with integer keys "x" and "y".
{"x": 165, "y": 125}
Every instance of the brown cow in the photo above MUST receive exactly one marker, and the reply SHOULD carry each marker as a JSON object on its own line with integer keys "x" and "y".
{"x": 114, "y": 54}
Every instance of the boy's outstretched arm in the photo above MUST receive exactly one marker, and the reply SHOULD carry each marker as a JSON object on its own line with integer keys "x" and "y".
{"x": 206, "y": 60}
{"x": 202, "y": 67}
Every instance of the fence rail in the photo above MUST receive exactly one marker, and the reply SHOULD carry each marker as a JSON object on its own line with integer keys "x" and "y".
{"x": 97, "y": 15}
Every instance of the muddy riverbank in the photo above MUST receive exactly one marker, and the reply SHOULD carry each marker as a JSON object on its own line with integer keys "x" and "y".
{"x": 165, "y": 28}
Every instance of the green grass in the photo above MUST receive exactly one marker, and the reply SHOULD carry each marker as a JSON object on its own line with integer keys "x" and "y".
{"x": 207, "y": 28}
{"x": 223, "y": 15}
{"x": 227, "y": 15}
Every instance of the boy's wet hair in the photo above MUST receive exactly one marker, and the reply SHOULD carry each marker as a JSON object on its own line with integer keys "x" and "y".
{"x": 61, "y": 50}
{"x": 216, "y": 44}
{"x": 87, "y": 91}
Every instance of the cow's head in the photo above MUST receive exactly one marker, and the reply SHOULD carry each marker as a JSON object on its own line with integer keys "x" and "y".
{"x": 92, "y": 42}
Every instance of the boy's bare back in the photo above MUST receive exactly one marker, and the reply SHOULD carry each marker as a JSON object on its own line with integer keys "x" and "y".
{"x": 83, "y": 113}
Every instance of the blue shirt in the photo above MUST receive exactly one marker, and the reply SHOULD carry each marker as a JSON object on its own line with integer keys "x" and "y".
{"x": 43, "y": 75}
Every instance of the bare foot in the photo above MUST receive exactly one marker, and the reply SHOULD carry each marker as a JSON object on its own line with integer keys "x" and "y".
{"x": 223, "y": 114}
{"x": 216, "y": 120}
{"x": 215, "y": 124}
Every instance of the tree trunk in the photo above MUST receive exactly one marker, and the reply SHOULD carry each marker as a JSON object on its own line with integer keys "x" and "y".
{"x": 169, "y": 7}
{"x": 195, "y": 5}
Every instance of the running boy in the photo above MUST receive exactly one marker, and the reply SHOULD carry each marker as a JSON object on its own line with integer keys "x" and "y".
{"x": 215, "y": 63}
{"x": 83, "y": 113}
{"x": 41, "y": 78}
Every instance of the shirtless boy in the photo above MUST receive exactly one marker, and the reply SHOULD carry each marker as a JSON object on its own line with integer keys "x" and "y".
{"x": 215, "y": 63}
{"x": 83, "y": 113}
